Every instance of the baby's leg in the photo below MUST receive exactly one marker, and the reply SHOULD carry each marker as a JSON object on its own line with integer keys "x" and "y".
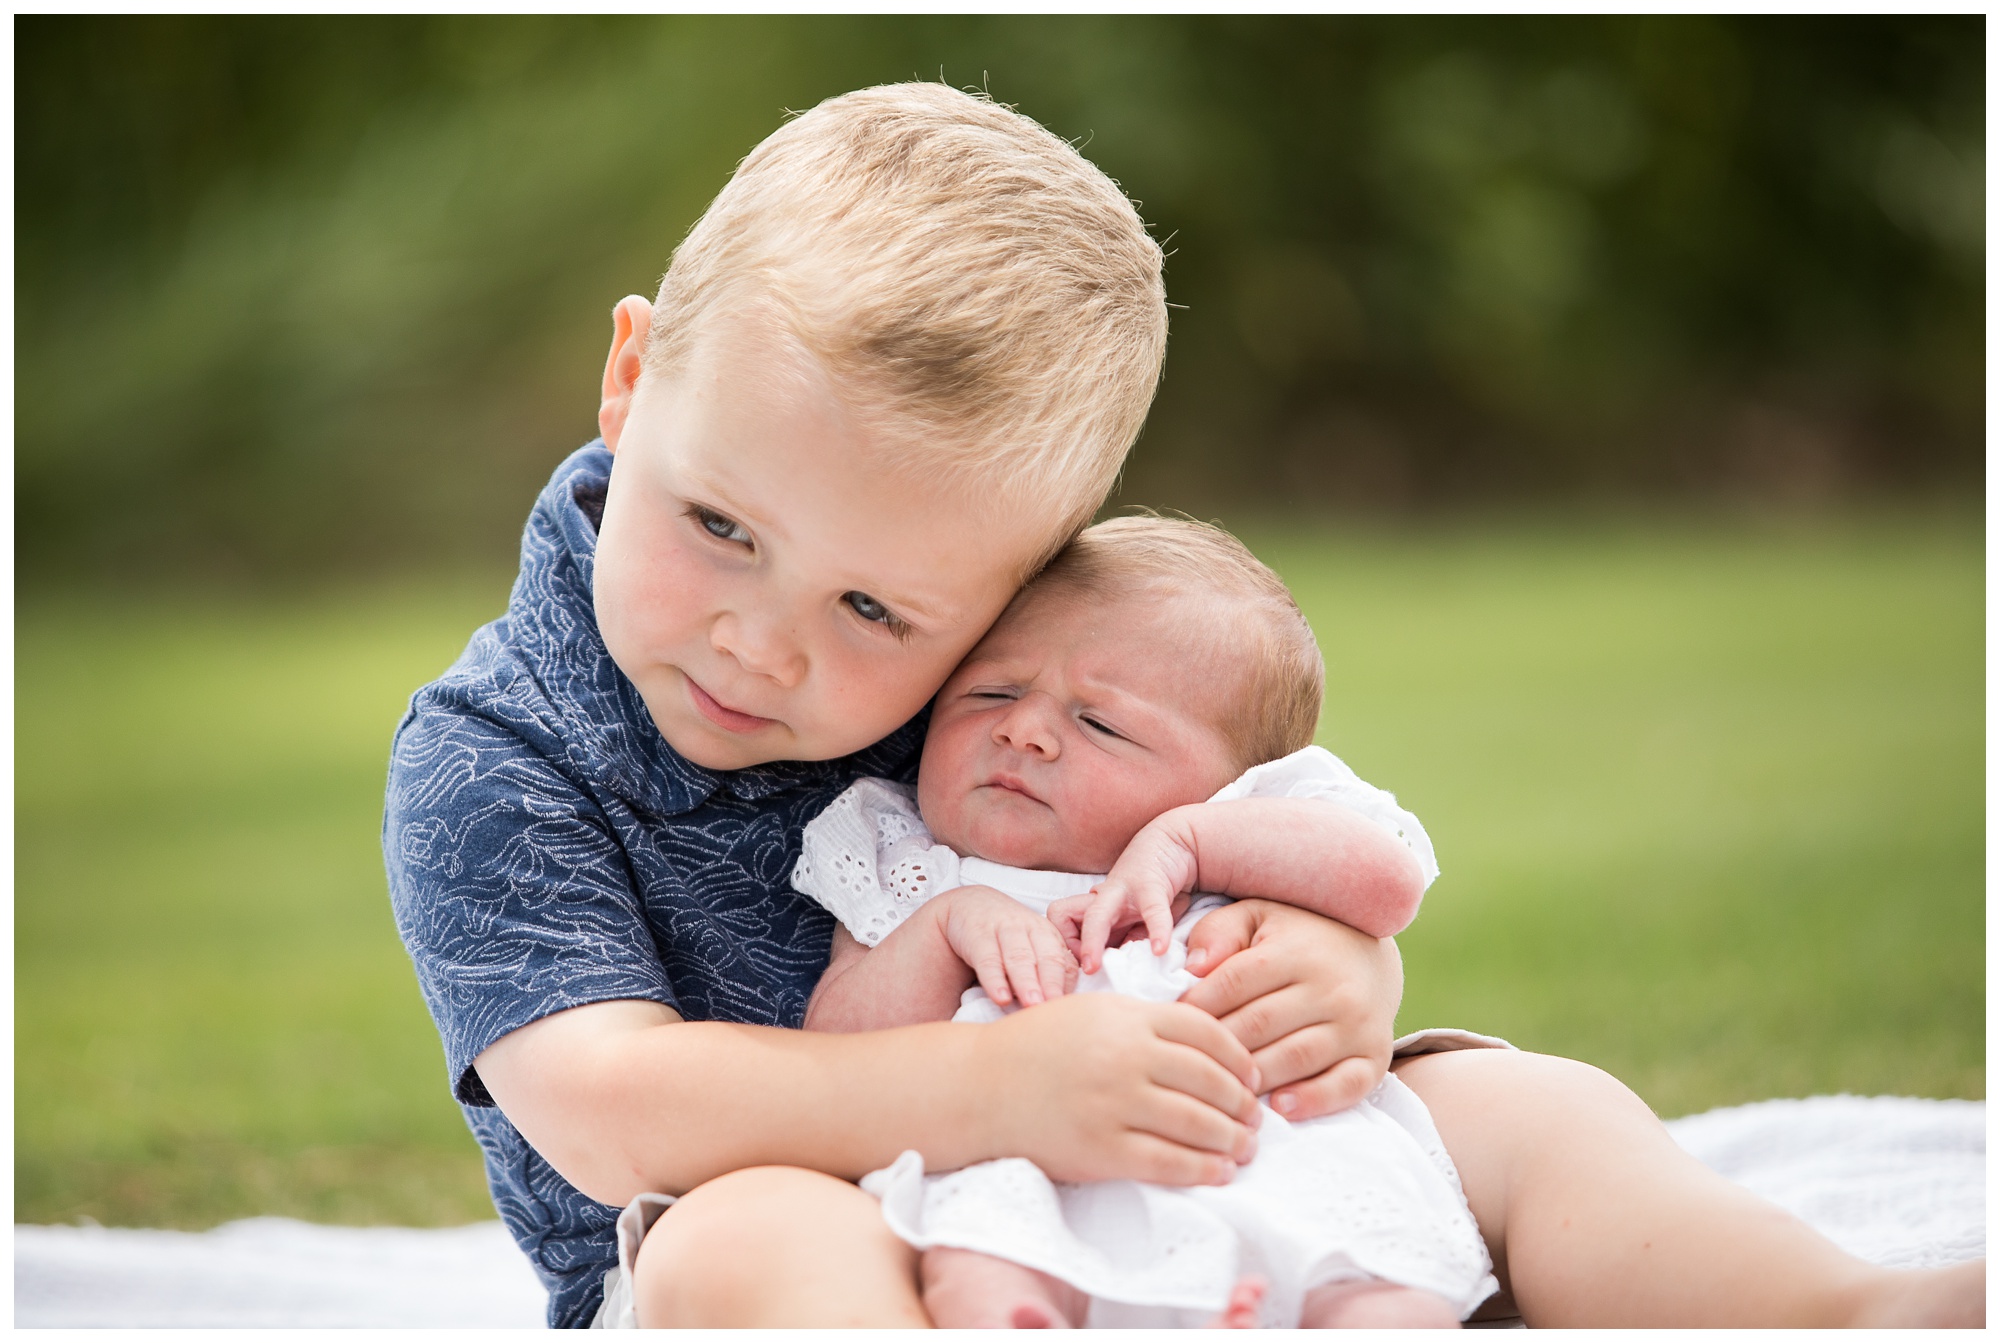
{"x": 775, "y": 1247}
{"x": 1375, "y": 1305}
{"x": 964, "y": 1290}
{"x": 1595, "y": 1217}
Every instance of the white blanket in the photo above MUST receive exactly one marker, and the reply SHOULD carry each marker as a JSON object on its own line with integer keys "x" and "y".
{"x": 1890, "y": 1180}
{"x": 1898, "y": 1182}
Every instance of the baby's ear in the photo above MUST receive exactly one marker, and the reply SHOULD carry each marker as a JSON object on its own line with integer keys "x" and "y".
{"x": 631, "y": 321}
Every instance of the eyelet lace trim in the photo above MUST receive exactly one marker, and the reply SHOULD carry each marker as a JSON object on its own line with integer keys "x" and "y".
{"x": 870, "y": 861}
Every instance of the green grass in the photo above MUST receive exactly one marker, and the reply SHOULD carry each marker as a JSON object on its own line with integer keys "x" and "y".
{"x": 213, "y": 1016}
{"x": 1709, "y": 802}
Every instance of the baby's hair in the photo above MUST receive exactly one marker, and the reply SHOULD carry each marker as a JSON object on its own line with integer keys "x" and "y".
{"x": 958, "y": 266}
{"x": 1276, "y": 711}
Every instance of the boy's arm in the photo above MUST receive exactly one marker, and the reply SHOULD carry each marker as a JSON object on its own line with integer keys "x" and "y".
{"x": 515, "y": 900}
{"x": 919, "y": 971}
{"x": 625, "y": 1097}
{"x": 1308, "y": 852}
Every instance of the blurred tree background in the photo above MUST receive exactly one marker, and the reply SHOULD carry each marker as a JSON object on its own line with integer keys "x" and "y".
{"x": 307, "y": 292}
{"x": 1609, "y": 390}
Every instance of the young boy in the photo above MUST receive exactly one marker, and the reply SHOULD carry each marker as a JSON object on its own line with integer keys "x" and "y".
{"x": 894, "y": 368}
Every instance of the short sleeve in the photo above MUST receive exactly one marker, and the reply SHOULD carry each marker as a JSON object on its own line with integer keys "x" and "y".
{"x": 1316, "y": 772}
{"x": 869, "y": 861}
{"x": 510, "y": 892}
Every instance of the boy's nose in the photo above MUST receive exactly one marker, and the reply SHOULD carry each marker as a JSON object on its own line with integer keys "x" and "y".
{"x": 1031, "y": 726}
{"x": 761, "y": 648}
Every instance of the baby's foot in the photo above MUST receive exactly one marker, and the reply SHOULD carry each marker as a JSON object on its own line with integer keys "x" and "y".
{"x": 963, "y": 1290}
{"x": 1246, "y": 1302}
{"x": 1375, "y": 1305}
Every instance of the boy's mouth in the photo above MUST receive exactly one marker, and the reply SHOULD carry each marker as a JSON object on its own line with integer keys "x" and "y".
{"x": 720, "y": 714}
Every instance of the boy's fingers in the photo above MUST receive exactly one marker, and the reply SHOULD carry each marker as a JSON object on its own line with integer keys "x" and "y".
{"x": 1195, "y": 1075}
{"x": 1336, "y": 1089}
{"x": 1189, "y": 1026}
{"x": 1221, "y": 936}
{"x": 1157, "y": 1161}
{"x": 1239, "y": 976}
{"x": 1304, "y": 1055}
{"x": 1181, "y": 1119}
{"x": 1265, "y": 1020}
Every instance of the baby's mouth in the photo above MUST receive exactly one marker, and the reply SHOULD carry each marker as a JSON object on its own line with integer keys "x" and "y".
{"x": 1009, "y": 784}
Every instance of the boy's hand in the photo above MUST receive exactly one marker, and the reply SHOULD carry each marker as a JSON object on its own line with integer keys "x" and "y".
{"x": 1313, "y": 1001}
{"x": 1016, "y": 953}
{"x": 1097, "y": 1086}
{"x": 1144, "y": 888}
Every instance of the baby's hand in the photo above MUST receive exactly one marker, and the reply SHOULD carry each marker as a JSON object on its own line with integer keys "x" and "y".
{"x": 1016, "y": 953}
{"x": 1147, "y": 881}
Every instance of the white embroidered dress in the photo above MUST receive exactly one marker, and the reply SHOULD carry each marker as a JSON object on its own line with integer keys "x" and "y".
{"x": 1366, "y": 1194}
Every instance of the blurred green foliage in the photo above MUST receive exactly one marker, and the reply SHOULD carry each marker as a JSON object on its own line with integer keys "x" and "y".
{"x": 1708, "y": 801}
{"x": 300, "y": 293}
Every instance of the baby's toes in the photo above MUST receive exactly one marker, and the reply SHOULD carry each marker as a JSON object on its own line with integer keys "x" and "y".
{"x": 1246, "y": 1300}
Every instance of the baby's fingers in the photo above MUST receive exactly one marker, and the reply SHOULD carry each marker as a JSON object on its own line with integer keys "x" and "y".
{"x": 1157, "y": 910}
{"x": 1067, "y": 915}
{"x": 1022, "y": 959}
{"x": 1053, "y": 960}
{"x": 991, "y": 971}
{"x": 1107, "y": 902}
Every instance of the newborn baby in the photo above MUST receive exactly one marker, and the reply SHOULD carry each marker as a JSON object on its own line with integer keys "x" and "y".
{"x": 1143, "y": 710}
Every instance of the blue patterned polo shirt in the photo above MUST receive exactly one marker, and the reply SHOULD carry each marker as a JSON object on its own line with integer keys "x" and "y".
{"x": 546, "y": 848}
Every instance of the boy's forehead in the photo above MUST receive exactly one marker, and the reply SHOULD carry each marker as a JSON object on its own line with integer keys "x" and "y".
{"x": 753, "y": 352}
{"x": 814, "y": 500}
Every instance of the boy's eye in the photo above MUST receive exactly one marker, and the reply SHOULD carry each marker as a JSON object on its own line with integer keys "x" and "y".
{"x": 875, "y": 613}
{"x": 1109, "y": 732}
{"x": 868, "y": 608}
{"x": 719, "y": 527}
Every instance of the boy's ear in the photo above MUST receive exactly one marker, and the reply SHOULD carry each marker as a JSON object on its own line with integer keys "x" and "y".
{"x": 631, "y": 321}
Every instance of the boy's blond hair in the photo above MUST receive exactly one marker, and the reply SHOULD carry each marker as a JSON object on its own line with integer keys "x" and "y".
{"x": 1275, "y": 711}
{"x": 956, "y": 265}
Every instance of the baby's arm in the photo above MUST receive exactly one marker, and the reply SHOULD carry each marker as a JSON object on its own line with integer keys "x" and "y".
{"x": 1308, "y": 852}
{"x": 920, "y": 970}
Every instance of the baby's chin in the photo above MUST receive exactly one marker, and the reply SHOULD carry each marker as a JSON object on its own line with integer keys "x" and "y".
{"x": 1018, "y": 846}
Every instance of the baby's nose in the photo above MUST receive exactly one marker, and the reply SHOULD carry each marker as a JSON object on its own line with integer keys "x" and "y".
{"x": 1030, "y": 726}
